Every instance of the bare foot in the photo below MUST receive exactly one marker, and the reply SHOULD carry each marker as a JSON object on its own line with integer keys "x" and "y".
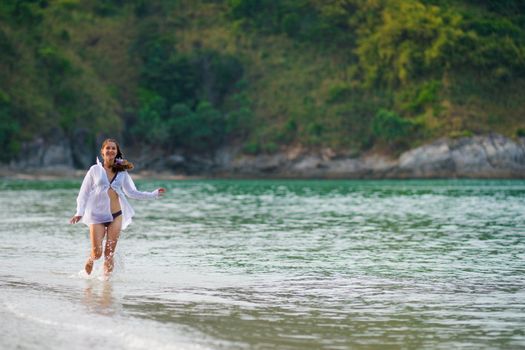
{"x": 89, "y": 266}
{"x": 108, "y": 266}
{"x": 107, "y": 273}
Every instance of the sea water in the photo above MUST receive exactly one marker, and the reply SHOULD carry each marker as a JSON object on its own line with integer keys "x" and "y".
{"x": 221, "y": 264}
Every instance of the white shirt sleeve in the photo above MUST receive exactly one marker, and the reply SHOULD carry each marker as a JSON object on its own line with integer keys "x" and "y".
{"x": 131, "y": 191}
{"x": 83, "y": 194}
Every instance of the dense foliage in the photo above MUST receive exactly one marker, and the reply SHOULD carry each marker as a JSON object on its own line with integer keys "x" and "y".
{"x": 182, "y": 95}
{"x": 193, "y": 76}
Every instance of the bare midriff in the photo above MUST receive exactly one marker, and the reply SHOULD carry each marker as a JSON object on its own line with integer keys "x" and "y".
{"x": 114, "y": 203}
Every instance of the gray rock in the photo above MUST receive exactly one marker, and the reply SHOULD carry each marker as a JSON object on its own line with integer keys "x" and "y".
{"x": 31, "y": 154}
{"x": 504, "y": 153}
{"x": 378, "y": 163}
{"x": 306, "y": 164}
{"x": 345, "y": 167}
{"x": 42, "y": 154}
{"x": 480, "y": 156}
{"x": 57, "y": 155}
{"x": 470, "y": 158}
{"x": 175, "y": 160}
{"x": 260, "y": 164}
{"x": 200, "y": 164}
{"x": 427, "y": 160}
{"x": 225, "y": 156}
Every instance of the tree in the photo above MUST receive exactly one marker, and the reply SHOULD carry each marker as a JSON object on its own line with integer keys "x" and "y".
{"x": 411, "y": 40}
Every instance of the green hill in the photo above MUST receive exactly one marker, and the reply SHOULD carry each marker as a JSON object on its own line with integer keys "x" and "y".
{"x": 353, "y": 75}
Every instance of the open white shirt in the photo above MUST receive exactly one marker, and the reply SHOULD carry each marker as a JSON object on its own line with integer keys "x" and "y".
{"x": 93, "y": 199}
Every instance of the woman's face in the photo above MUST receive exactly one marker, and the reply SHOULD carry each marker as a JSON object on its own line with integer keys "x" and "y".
{"x": 109, "y": 151}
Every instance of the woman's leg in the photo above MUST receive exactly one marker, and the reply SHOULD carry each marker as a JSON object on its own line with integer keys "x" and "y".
{"x": 96, "y": 234}
{"x": 111, "y": 244}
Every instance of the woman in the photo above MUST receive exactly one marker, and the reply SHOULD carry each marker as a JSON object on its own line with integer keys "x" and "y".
{"x": 102, "y": 203}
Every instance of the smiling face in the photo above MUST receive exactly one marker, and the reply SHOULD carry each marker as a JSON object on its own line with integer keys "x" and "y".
{"x": 109, "y": 151}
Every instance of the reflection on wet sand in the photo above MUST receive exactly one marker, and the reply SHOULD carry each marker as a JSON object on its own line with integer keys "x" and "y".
{"x": 98, "y": 297}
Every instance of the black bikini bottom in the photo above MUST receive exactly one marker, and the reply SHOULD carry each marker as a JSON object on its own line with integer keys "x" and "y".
{"x": 115, "y": 215}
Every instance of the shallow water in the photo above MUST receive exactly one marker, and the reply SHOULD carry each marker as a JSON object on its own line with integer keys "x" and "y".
{"x": 271, "y": 265}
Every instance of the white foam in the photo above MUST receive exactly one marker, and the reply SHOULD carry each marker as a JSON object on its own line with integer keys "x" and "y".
{"x": 98, "y": 271}
{"x": 61, "y": 324}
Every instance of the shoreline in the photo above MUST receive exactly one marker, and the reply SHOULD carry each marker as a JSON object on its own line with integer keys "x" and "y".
{"x": 75, "y": 174}
{"x": 480, "y": 157}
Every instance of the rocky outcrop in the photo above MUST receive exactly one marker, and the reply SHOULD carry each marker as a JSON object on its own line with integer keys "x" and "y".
{"x": 42, "y": 154}
{"x": 480, "y": 156}
{"x": 491, "y": 156}
{"x": 57, "y": 151}
{"x": 311, "y": 165}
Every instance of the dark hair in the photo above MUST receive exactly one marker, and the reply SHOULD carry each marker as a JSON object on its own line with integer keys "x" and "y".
{"x": 120, "y": 163}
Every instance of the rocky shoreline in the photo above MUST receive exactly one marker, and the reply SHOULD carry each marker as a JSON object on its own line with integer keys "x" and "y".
{"x": 490, "y": 156}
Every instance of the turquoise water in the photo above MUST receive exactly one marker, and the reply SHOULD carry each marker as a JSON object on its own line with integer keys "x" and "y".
{"x": 271, "y": 265}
